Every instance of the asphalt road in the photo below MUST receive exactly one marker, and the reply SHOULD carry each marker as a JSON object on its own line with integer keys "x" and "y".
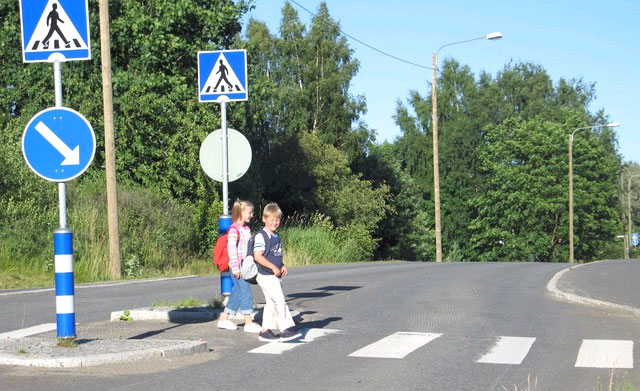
{"x": 443, "y": 324}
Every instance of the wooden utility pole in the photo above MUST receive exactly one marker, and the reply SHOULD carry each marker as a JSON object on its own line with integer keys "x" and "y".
{"x": 436, "y": 164}
{"x": 109, "y": 145}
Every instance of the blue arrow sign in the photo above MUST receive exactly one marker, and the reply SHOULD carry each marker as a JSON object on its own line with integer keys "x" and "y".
{"x": 58, "y": 144}
{"x": 222, "y": 76}
{"x": 55, "y": 30}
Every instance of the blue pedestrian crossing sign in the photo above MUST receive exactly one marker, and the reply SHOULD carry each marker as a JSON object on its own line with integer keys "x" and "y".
{"x": 634, "y": 238}
{"x": 58, "y": 144}
{"x": 222, "y": 76}
{"x": 55, "y": 30}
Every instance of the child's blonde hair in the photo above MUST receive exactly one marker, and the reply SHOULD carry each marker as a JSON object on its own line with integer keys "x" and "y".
{"x": 272, "y": 209}
{"x": 238, "y": 207}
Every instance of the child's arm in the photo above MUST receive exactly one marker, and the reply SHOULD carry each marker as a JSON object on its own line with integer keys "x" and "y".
{"x": 233, "y": 239}
{"x": 259, "y": 257}
{"x": 284, "y": 269}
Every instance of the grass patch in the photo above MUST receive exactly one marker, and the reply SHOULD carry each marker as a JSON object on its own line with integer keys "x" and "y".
{"x": 189, "y": 302}
{"x": 67, "y": 342}
{"x": 530, "y": 386}
{"x": 216, "y": 303}
{"x": 615, "y": 382}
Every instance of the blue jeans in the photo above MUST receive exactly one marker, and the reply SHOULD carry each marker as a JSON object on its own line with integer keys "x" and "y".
{"x": 240, "y": 297}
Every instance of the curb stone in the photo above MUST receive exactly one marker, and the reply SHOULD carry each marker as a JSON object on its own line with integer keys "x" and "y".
{"x": 168, "y": 314}
{"x": 43, "y": 352}
{"x": 552, "y": 287}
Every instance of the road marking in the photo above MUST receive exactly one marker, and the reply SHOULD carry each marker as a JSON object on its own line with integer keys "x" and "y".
{"x": 101, "y": 285}
{"x": 308, "y": 335}
{"x": 508, "y": 350}
{"x": 396, "y": 345}
{"x": 41, "y": 328}
{"x": 605, "y": 353}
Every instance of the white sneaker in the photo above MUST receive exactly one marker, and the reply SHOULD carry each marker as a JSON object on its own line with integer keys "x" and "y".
{"x": 252, "y": 327}
{"x": 227, "y": 325}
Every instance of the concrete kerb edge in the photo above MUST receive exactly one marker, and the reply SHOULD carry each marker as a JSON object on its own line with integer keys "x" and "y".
{"x": 174, "y": 349}
{"x": 552, "y": 288}
{"x": 166, "y": 314}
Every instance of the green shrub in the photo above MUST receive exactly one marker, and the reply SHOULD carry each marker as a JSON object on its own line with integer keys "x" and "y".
{"x": 158, "y": 235}
{"x": 309, "y": 240}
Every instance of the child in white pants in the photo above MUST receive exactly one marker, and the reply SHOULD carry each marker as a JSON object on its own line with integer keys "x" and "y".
{"x": 267, "y": 252}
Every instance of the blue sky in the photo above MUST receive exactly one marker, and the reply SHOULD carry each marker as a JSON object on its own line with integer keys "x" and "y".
{"x": 593, "y": 40}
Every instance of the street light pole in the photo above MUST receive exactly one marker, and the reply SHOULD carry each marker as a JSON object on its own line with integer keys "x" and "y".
{"x": 610, "y": 125}
{"x": 434, "y": 121}
{"x": 629, "y": 209}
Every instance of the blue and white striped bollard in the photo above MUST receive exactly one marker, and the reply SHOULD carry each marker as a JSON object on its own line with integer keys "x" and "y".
{"x": 65, "y": 311}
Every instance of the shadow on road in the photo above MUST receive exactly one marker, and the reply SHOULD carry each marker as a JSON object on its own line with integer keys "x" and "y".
{"x": 322, "y": 292}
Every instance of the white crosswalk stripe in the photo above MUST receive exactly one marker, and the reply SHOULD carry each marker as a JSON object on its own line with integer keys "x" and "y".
{"x": 604, "y": 353}
{"x": 308, "y": 335}
{"x": 508, "y": 350}
{"x": 396, "y": 345}
{"x": 504, "y": 350}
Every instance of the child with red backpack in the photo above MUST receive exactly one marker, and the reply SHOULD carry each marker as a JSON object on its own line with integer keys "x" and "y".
{"x": 240, "y": 298}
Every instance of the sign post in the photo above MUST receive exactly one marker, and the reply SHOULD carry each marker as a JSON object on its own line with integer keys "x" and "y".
{"x": 56, "y": 31}
{"x": 58, "y": 144}
{"x": 222, "y": 78}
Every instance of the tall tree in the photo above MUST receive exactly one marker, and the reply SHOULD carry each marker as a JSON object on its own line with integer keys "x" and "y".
{"x": 524, "y": 210}
{"x": 306, "y": 124}
{"x": 460, "y": 135}
{"x": 407, "y": 231}
{"x": 467, "y": 110}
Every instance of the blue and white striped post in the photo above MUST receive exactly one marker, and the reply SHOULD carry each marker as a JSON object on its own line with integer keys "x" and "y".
{"x": 226, "y": 283}
{"x": 65, "y": 308}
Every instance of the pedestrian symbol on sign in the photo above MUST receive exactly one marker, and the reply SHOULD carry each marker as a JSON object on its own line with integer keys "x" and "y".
{"x": 52, "y": 21}
{"x": 222, "y": 70}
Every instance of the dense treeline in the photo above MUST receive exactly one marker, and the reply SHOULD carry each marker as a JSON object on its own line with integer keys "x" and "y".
{"x": 503, "y": 144}
{"x": 504, "y": 164}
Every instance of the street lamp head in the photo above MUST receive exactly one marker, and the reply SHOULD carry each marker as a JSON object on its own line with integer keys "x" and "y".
{"x": 496, "y": 35}
{"x": 613, "y": 124}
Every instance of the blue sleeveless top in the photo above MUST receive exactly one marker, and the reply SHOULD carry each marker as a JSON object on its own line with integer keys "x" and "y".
{"x": 272, "y": 251}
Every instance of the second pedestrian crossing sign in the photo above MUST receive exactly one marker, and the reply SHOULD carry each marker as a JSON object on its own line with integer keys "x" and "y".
{"x": 222, "y": 76}
{"x": 55, "y": 30}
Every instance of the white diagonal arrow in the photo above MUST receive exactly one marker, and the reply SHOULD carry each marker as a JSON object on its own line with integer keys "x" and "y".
{"x": 71, "y": 157}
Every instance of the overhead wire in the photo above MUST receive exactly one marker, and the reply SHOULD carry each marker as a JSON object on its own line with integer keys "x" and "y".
{"x": 366, "y": 44}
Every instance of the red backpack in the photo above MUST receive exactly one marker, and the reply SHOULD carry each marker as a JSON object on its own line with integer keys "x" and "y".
{"x": 220, "y": 252}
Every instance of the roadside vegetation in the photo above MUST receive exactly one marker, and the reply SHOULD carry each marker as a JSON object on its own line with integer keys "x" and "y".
{"x": 346, "y": 197}
{"x": 159, "y": 237}
{"x": 616, "y": 381}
